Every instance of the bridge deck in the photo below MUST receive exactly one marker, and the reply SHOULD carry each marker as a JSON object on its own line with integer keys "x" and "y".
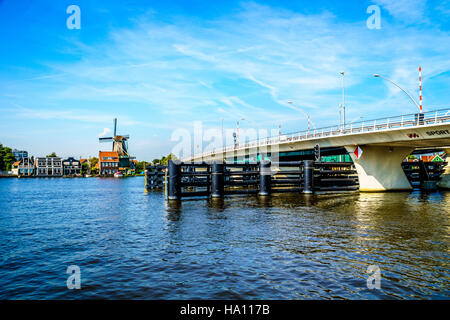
{"x": 429, "y": 129}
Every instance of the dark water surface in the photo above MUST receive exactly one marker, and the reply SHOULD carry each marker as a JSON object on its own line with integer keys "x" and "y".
{"x": 131, "y": 245}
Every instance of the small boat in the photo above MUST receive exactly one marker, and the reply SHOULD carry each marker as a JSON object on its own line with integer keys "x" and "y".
{"x": 118, "y": 174}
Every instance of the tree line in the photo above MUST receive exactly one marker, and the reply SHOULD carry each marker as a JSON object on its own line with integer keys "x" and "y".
{"x": 140, "y": 165}
{"x": 7, "y": 159}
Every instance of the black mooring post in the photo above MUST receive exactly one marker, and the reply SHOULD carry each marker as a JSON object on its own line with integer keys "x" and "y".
{"x": 308, "y": 173}
{"x": 174, "y": 179}
{"x": 217, "y": 179}
{"x": 423, "y": 174}
{"x": 264, "y": 178}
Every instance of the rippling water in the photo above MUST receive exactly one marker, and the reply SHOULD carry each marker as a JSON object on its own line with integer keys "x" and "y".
{"x": 132, "y": 245}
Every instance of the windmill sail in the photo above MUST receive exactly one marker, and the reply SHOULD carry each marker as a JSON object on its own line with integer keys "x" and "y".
{"x": 120, "y": 143}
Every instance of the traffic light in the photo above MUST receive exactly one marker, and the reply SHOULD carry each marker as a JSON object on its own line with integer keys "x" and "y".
{"x": 317, "y": 153}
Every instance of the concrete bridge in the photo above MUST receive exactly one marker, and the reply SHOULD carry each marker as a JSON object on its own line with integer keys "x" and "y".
{"x": 377, "y": 147}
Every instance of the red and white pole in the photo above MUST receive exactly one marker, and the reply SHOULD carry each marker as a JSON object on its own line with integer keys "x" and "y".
{"x": 420, "y": 88}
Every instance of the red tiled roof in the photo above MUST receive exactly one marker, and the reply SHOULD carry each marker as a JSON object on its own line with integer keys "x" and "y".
{"x": 108, "y": 154}
{"x": 16, "y": 163}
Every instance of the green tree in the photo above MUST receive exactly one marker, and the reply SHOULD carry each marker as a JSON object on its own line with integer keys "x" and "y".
{"x": 84, "y": 168}
{"x": 93, "y": 161}
{"x": 2, "y": 164}
{"x": 140, "y": 165}
{"x": 52, "y": 155}
{"x": 6, "y": 158}
{"x": 165, "y": 160}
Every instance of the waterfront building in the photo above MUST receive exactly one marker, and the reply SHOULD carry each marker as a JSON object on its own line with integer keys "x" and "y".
{"x": 71, "y": 167}
{"x": 49, "y": 167}
{"x": 24, "y": 167}
{"x": 108, "y": 163}
{"x": 431, "y": 158}
{"x": 20, "y": 154}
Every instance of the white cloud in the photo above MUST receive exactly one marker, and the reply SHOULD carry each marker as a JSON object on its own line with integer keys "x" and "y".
{"x": 104, "y": 132}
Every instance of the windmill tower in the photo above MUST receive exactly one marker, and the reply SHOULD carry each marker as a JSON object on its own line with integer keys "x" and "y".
{"x": 120, "y": 143}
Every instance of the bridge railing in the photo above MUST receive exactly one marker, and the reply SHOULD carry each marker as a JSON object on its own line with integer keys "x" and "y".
{"x": 365, "y": 126}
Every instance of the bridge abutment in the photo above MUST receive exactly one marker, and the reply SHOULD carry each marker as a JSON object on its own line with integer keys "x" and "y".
{"x": 379, "y": 168}
{"x": 445, "y": 178}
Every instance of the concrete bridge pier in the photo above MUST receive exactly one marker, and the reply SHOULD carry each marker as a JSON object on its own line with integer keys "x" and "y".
{"x": 379, "y": 168}
{"x": 445, "y": 178}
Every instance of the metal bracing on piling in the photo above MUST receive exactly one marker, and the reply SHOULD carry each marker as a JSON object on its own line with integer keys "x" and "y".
{"x": 217, "y": 179}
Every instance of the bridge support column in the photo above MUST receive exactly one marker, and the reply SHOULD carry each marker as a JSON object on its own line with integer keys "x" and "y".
{"x": 445, "y": 178}
{"x": 379, "y": 168}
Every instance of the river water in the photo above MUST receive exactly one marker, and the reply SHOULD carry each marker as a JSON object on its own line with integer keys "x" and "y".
{"x": 132, "y": 245}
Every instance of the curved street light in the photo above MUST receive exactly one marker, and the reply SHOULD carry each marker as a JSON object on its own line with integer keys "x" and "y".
{"x": 343, "y": 102}
{"x": 380, "y": 76}
{"x": 356, "y": 119}
{"x": 237, "y": 130}
{"x": 304, "y": 113}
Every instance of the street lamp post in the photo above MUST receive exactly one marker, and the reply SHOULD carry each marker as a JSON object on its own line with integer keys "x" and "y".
{"x": 223, "y": 141}
{"x": 305, "y": 114}
{"x": 343, "y": 100}
{"x": 356, "y": 119}
{"x": 237, "y": 130}
{"x": 222, "y": 134}
{"x": 414, "y": 101}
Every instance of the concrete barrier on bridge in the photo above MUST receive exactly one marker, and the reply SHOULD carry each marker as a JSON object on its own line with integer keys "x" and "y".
{"x": 379, "y": 168}
{"x": 445, "y": 178}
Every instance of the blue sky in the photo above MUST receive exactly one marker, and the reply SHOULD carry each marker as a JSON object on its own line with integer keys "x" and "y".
{"x": 161, "y": 65}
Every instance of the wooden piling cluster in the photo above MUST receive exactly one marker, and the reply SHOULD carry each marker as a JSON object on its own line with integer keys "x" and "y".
{"x": 154, "y": 176}
{"x": 217, "y": 179}
{"x": 418, "y": 172}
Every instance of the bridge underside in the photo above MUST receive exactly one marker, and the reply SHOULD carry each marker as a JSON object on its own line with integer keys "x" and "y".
{"x": 437, "y": 143}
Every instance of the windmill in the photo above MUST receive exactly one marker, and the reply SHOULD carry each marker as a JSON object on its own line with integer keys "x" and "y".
{"x": 120, "y": 143}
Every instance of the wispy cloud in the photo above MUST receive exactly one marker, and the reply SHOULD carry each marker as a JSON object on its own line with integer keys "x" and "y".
{"x": 405, "y": 10}
{"x": 275, "y": 54}
{"x": 75, "y": 115}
